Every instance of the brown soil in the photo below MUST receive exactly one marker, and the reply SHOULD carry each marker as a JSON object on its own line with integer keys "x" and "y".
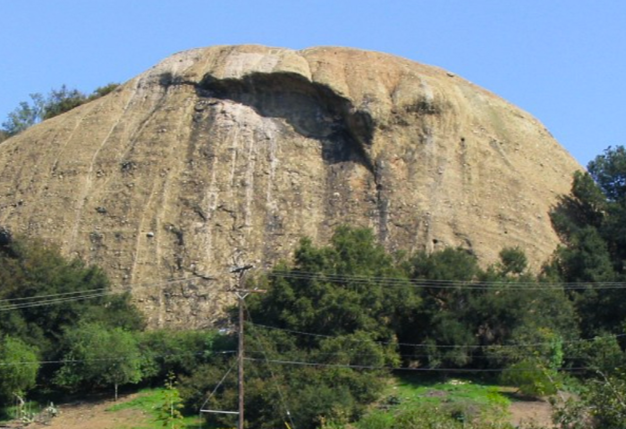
{"x": 94, "y": 415}
{"x": 525, "y": 412}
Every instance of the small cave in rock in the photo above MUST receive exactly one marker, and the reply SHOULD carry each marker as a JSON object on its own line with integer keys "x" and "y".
{"x": 313, "y": 110}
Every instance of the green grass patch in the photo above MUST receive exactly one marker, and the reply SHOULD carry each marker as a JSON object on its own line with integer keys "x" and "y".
{"x": 12, "y": 412}
{"x": 149, "y": 401}
{"x": 459, "y": 399}
{"x": 411, "y": 390}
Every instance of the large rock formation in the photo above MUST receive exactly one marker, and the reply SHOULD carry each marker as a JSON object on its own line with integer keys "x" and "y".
{"x": 235, "y": 152}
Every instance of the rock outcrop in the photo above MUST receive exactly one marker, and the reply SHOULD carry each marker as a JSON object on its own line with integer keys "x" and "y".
{"x": 235, "y": 152}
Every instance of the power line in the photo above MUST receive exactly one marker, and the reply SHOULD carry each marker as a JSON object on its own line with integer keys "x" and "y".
{"x": 116, "y": 359}
{"x": 53, "y": 301}
{"x": 278, "y": 389}
{"x": 421, "y": 369}
{"x": 517, "y": 357}
{"x": 52, "y": 295}
{"x": 444, "y": 284}
{"x": 217, "y": 386}
{"x": 7, "y": 303}
{"x": 78, "y": 295}
{"x": 425, "y": 345}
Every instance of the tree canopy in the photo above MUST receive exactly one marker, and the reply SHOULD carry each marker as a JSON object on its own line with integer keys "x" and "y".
{"x": 592, "y": 223}
{"x": 30, "y": 269}
{"x": 18, "y": 368}
{"x": 40, "y": 107}
{"x": 44, "y": 297}
{"x": 346, "y": 313}
{"x": 100, "y": 356}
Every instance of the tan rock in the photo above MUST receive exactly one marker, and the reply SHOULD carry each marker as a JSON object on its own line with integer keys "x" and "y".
{"x": 232, "y": 153}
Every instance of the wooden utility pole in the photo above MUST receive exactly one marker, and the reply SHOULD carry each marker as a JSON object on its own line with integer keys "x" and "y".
{"x": 241, "y": 294}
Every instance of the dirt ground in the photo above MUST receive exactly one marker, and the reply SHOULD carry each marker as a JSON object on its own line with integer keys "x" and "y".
{"x": 93, "y": 415}
{"x": 531, "y": 411}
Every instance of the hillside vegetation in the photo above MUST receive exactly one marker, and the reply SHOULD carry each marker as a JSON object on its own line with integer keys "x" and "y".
{"x": 41, "y": 107}
{"x": 338, "y": 321}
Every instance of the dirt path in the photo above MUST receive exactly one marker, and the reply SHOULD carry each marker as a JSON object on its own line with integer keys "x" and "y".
{"x": 93, "y": 415}
{"x": 539, "y": 412}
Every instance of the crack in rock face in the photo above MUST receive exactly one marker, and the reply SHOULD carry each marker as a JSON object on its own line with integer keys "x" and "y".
{"x": 231, "y": 154}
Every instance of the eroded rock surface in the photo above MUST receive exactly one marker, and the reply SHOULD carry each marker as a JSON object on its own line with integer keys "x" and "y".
{"x": 232, "y": 153}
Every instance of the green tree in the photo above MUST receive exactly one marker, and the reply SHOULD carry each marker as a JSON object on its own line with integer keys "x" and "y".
{"x": 592, "y": 224}
{"x": 180, "y": 352}
{"x": 19, "y": 364}
{"x": 100, "y": 356}
{"x": 101, "y": 91}
{"x": 584, "y": 206}
{"x": 75, "y": 292}
{"x": 602, "y": 354}
{"x": 25, "y": 115}
{"x": 340, "y": 297}
{"x": 466, "y": 310}
{"x": 512, "y": 261}
{"x": 606, "y": 398}
{"x": 609, "y": 172}
{"x": 60, "y": 101}
{"x": 442, "y": 278}
{"x": 40, "y": 107}
{"x": 338, "y": 289}
{"x": 535, "y": 368}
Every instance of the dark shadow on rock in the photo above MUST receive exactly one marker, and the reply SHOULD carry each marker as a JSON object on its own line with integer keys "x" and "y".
{"x": 313, "y": 110}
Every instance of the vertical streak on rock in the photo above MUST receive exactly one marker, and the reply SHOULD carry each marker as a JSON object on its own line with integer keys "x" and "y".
{"x": 139, "y": 233}
{"x": 234, "y": 148}
{"x": 9, "y": 174}
{"x": 82, "y": 199}
{"x": 382, "y": 200}
{"x": 272, "y": 150}
{"x": 249, "y": 180}
{"x": 272, "y": 216}
{"x": 156, "y": 241}
{"x": 427, "y": 91}
{"x": 212, "y": 198}
{"x": 58, "y": 152}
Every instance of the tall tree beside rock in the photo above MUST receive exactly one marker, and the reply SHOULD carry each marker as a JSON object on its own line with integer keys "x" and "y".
{"x": 592, "y": 224}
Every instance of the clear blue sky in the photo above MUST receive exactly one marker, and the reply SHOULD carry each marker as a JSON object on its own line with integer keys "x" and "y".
{"x": 563, "y": 61}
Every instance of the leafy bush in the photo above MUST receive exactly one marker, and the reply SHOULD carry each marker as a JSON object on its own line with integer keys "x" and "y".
{"x": 45, "y": 297}
{"x": 531, "y": 377}
{"x": 428, "y": 417}
{"x": 180, "y": 352}
{"x": 18, "y": 368}
{"x": 74, "y": 292}
{"x": 100, "y": 356}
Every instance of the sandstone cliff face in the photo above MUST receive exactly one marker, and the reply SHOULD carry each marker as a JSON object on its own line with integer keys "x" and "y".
{"x": 235, "y": 152}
